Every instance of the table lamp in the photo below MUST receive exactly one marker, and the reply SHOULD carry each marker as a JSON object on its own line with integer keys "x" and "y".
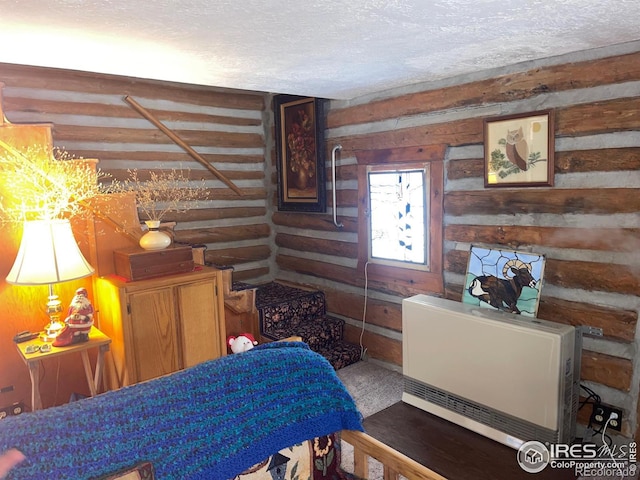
{"x": 49, "y": 254}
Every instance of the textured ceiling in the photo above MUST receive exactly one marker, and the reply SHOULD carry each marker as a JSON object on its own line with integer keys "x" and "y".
{"x": 324, "y": 48}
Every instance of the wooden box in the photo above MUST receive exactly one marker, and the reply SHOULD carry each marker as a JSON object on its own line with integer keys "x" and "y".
{"x": 138, "y": 264}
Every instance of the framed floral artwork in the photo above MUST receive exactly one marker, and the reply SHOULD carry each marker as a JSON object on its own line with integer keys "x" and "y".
{"x": 519, "y": 150}
{"x": 300, "y": 150}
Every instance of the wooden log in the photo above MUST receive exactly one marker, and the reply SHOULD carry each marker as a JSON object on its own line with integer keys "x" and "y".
{"x": 152, "y": 156}
{"x": 577, "y": 119}
{"x": 143, "y": 175}
{"x": 599, "y": 117}
{"x": 380, "y": 313}
{"x": 557, "y": 201}
{"x": 605, "y": 239}
{"x": 344, "y": 172}
{"x": 88, "y": 82}
{"x": 224, "y": 194}
{"x": 317, "y": 245}
{"x": 616, "y": 324}
{"x": 344, "y": 198}
{"x": 204, "y": 214}
{"x": 234, "y": 256}
{"x": 505, "y": 88}
{"x": 428, "y": 153}
{"x": 313, "y": 222}
{"x": 378, "y": 346}
{"x": 316, "y": 268}
{"x": 223, "y": 234}
{"x": 182, "y": 143}
{"x": 588, "y": 276}
{"x": 602, "y": 160}
{"x": 401, "y": 284}
{"x": 578, "y": 161}
{"x": 45, "y": 107}
{"x": 453, "y": 291}
{"x": 591, "y": 276}
{"x": 247, "y": 194}
{"x": 247, "y": 275}
{"x": 607, "y": 370}
{"x": 461, "y": 132}
{"x": 465, "y": 168}
{"x": 75, "y": 133}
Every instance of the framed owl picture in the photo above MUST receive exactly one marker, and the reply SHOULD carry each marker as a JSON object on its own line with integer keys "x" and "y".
{"x": 519, "y": 150}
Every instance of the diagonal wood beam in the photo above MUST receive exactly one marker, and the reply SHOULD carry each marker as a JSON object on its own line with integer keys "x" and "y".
{"x": 181, "y": 143}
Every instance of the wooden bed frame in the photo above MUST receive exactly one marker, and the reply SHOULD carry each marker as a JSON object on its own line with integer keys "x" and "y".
{"x": 365, "y": 446}
{"x": 393, "y": 462}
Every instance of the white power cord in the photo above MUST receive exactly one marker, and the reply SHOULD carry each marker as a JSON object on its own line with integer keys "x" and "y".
{"x": 612, "y": 416}
{"x": 363, "y": 350}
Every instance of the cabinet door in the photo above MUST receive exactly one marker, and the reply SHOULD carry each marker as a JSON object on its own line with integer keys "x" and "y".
{"x": 153, "y": 327}
{"x": 199, "y": 322}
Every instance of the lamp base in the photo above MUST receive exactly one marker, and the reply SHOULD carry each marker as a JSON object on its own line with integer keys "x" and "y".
{"x": 51, "y": 331}
{"x": 44, "y": 337}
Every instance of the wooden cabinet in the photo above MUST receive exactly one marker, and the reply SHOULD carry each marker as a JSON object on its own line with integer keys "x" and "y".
{"x": 160, "y": 325}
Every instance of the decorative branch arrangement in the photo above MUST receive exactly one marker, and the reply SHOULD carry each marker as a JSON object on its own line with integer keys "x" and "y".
{"x": 162, "y": 193}
{"x": 37, "y": 186}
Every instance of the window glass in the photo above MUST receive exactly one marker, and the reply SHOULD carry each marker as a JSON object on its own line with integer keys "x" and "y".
{"x": 398, "y": 216}
{"x": 400, "y": 211}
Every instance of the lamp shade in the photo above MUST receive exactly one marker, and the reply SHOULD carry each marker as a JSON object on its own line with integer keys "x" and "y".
{"x": 48, "y": 254}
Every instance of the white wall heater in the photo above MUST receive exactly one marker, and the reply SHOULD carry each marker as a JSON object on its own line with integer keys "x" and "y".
{"x": 507, "y": 377}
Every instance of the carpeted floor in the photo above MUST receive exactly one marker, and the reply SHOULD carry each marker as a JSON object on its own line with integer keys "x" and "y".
{"x": 374, "y": 388}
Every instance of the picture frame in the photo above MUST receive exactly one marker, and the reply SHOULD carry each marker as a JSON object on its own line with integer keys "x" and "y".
{"x": 300, "y": 150}
{"x": 519, "y": 150}
{"x": 521, "y": 274}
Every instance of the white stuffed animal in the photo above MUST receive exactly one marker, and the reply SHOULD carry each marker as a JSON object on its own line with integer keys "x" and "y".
{"x": 241, "y": 343}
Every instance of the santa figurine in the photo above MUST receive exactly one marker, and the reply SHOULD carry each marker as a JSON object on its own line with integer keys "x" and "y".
{"x": 242, "y": 343}
{"x": 78, "y": 322}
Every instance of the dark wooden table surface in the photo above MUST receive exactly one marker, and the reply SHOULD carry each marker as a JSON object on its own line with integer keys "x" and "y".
{"x": 448, "y": 449}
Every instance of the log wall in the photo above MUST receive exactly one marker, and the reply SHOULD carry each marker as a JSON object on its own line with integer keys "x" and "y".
{"x": 91, "y": 120}
{"x": 587, "y": 225}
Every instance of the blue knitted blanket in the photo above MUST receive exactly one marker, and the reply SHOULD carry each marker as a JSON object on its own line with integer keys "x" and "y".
{"x": 212, "y": 421}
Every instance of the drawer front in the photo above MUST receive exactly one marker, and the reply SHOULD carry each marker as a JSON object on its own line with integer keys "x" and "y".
{"x": 139, "y": 265}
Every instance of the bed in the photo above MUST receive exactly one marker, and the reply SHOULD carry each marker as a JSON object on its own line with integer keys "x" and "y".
{"x": 240, "y": 416}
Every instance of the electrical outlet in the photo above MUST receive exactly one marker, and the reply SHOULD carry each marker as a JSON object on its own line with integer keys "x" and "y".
{"x": 601, "y": 414}
{"x": 15, "y": 409}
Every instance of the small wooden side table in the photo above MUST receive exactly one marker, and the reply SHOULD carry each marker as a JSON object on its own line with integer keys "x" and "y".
{"x": 97, "y": 339}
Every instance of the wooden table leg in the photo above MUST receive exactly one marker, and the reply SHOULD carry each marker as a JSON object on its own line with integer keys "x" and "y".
{"x": 100, "y": 365}
{"x": 88, "y": 373}
{"x": 34, "y": 373}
